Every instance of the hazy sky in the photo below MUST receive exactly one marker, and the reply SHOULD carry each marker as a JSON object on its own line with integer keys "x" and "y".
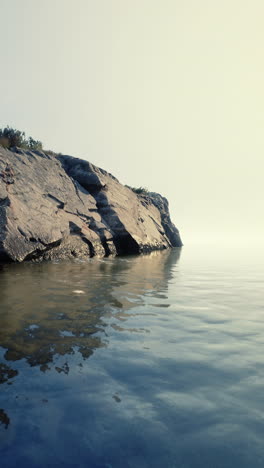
{"x": 166, "y": 94}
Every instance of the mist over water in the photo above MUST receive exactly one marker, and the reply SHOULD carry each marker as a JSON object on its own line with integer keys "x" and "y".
{"x": 148, "y": 361}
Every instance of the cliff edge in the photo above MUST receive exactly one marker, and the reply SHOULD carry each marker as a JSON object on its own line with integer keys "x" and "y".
{"x": 62, "y": 207}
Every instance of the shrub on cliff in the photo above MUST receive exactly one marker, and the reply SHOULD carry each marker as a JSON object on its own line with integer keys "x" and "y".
{"x": 10, "y": 137}
{"x": 139, "y": 190}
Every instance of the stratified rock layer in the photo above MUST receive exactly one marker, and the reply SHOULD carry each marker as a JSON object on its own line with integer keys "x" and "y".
{"x": 61, "y": 207}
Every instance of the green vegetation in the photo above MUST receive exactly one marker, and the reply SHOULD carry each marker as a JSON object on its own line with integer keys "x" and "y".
{"x": 10, "y": 137}
{"x": 139, "y": 190}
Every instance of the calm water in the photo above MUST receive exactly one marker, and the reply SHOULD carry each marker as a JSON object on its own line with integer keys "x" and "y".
{"x": 137, "y": 362}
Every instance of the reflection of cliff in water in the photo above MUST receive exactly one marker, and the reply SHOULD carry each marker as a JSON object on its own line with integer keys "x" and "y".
{"x": 48, "y": 309}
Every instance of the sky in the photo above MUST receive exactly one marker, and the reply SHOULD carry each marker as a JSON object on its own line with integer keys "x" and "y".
{"x": 164, "y": 94}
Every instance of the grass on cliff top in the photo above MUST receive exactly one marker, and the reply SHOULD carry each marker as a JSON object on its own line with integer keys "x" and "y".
{"x": 139, "y": 190}
{"x": 10, "y": 137}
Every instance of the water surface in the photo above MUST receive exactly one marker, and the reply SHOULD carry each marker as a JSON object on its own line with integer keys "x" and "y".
{"x": 149, "y": 361}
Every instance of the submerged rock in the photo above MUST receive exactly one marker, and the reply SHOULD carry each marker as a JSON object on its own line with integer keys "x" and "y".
{"x": 62, "y": 207}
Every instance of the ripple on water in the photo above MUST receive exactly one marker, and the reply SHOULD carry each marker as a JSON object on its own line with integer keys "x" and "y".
{"x": 132, "y": 362}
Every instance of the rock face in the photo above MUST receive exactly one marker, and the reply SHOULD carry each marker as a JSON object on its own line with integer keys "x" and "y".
{"x": 62, "y": 207}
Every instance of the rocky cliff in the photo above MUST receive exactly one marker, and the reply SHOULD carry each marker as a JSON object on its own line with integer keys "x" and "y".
{"x": 62, "y": 207}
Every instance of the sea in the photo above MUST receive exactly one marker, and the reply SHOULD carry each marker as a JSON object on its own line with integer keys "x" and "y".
{"x": 150, "y": 361}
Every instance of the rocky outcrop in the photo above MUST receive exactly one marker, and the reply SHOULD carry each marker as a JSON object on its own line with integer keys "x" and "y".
{"x": 61, "y": 207}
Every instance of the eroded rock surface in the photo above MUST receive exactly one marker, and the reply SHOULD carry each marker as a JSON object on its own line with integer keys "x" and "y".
{"x": 62, "y": 207}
